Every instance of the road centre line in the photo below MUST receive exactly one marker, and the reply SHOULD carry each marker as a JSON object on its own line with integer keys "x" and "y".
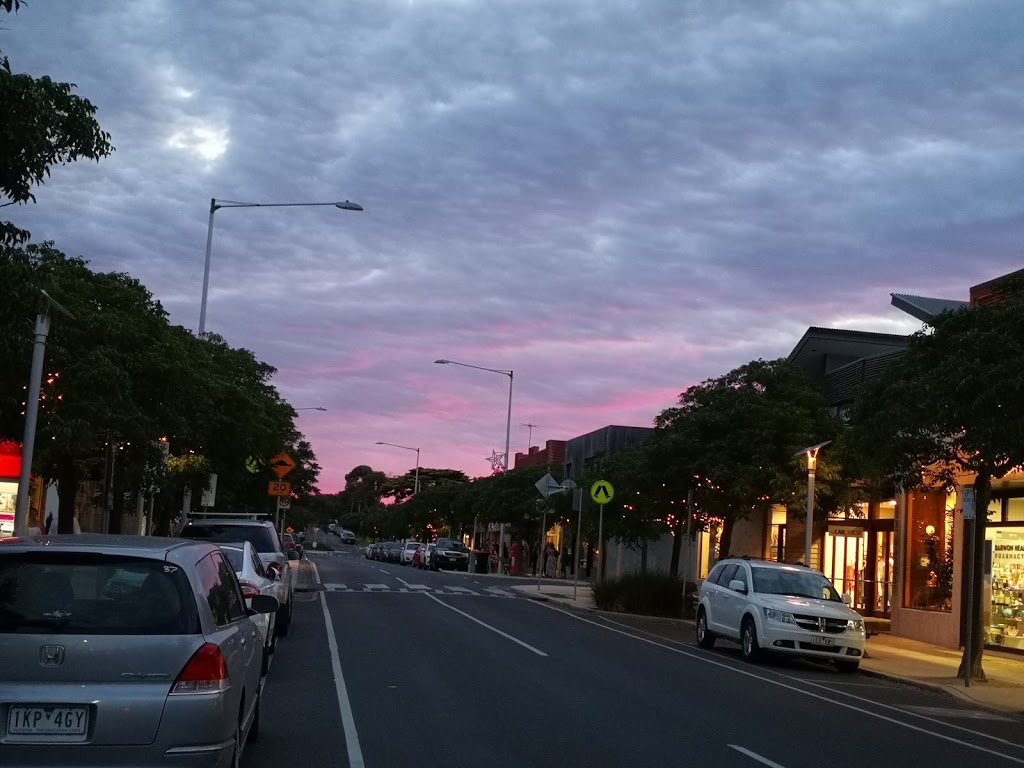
{"x": 755, "y": 756}
{"x": 515, "y": 640}
{"x": 830, "y": 689}
{"x": 877, "y": 715}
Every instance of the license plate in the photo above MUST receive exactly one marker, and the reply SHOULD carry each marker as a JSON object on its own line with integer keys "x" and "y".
{"x": 58, "y": 720}
{"x": 828, "y": 642}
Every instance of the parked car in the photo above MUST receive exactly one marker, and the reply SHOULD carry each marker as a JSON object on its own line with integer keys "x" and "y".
{"x": 264, "y": 539}
{"x": 254, "y": 580}
{"x": 348, "y": 537}
{"x": 124, "y": 651}
{"x": 408, "y": 550}
{"x": 777, "y": 608}
{"x": 291, "y": 544}
{"x": 371, "y": 551}
{"x": 450, "y": 554}
{"x": 390, "y": 552}
{"x": 426, "y": 556}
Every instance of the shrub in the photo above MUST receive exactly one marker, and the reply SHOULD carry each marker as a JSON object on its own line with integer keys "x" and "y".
{"x": 650, "y": 594}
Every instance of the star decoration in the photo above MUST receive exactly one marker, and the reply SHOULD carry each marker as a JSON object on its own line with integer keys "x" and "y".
{"x": 497, "y": 461}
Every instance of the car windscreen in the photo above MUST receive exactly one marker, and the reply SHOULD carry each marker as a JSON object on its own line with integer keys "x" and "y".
{"x": 451, "y": 545}
{"x": 57, "y": 593}
{"x": 793, "y": 583}
{"x": 235, "y": 557}
{"x": 412, "y": 546}
{"x": 262, "y": 538}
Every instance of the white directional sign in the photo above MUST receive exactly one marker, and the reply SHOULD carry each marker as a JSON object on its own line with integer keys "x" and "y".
{"x": 970, "y": 502}
{"x": 548, "y": 486}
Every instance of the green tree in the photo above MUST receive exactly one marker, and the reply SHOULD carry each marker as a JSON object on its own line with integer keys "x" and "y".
{"x": 739, "y": 433}
{"x": 949, "y": 408}
{"x": 42, "y": 123}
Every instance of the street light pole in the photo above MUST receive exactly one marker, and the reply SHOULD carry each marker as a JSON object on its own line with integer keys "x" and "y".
{"x": 28, "y": 441}
{"x": 508, "y": 422}
{"x": 812, "y": 462}
{"x": 216, "y": 205}
{"x": 416, "y": 481}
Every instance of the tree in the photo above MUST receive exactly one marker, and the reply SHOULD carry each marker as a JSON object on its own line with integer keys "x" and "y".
{"x": 42, "y": 123}
{"x": 739, "y": 433}
{"x": 949, "y": 408}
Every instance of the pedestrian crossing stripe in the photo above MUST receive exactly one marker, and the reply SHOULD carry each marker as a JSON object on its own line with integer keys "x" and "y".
{"x": 418, "y": 589}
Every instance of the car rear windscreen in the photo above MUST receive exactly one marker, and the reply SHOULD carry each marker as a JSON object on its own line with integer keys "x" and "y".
{"x": 94, "y": 594}
{"x": 262, "y": 538}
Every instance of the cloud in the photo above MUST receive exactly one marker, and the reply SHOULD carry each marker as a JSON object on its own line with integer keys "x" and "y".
{"x": 616, "y": 200}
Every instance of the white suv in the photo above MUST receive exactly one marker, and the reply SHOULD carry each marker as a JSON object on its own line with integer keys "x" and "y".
{"x": 779, "y": 608}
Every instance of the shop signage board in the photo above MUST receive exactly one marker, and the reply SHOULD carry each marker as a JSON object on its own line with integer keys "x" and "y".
{"x": 842, "y": 531}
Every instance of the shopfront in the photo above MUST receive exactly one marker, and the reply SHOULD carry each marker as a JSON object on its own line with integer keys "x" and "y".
{"x": 10, "y": 467}
{"x": 859, "y": 548}
{"x": 1003, "y": 590}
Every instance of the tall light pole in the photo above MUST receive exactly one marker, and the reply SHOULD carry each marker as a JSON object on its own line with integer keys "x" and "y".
{"x": 216, "y": 205}
{"x": 812, "y": 464}
{"x": 416, "y": 482}
{"x": 312, "y": 408}
{"x": 508, "y": 422}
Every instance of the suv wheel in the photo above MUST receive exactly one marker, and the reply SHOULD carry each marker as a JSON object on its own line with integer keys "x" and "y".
{"x": 748, "y": 640}
{"x": 705, "y": 638}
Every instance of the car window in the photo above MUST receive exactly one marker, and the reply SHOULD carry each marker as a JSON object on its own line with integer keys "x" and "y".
{"x": 741, "y": 575}
{"x": 716, "y": 572}
{"x": 234, "y": 556}
{"x": 91, "y": 594}
{"x": 221, "y": 594}
{"x": 262, "y": 538}
{"x": 794, "y": 583}
{"x": 257, "y": 565}
{"x": 726, "y": 575}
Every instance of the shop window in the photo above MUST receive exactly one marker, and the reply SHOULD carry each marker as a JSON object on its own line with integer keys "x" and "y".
{"x": 1006, "y": 599}
{"x": 777, "y": 534}
{"x": 886, "y": 510}
{"x": 1015, "y": 510}
{"x": 929, "y": 582}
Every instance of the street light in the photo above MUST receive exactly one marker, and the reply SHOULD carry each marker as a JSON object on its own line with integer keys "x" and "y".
{"x": 508, "y": 427}
{"x": 812, "y": 463}
{"x": 312, "y": 408}
{"x": 416, "y": 482}
{"x": 216, "y": 205}
{"x": 508, "y": 423}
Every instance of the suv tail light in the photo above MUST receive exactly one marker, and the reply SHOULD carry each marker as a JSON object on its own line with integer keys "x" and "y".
{"x": 248, "y": 590}
{"x": 205, "y": 672}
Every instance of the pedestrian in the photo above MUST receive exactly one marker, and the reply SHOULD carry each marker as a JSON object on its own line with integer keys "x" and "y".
{"x": 550, "y": 560}
{"x": 513, "y": 566}
{"x": 34, "y": 522}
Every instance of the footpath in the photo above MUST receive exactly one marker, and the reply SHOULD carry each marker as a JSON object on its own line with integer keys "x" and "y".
{"x": 895, "y": 658}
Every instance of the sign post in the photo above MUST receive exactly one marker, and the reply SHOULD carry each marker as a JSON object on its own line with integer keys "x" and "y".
{"x": 546, "y": 486}
{"x": 601, "y": 492}
{"x": 970, "y": 516}
{"x": 576, "y": 549}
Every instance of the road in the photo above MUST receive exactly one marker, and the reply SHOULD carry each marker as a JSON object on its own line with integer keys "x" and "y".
{"x": 442, "y": 669}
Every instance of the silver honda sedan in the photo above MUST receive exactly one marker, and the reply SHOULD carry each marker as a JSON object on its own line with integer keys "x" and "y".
{"x": 125, "y": 651}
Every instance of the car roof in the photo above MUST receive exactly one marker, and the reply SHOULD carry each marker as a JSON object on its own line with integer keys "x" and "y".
{"x": 147, "y": 546}
{"x": 229, "y": 521}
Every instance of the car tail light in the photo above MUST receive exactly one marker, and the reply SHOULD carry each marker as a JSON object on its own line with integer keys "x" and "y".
{"x": 205, "y": 672}
{"x": 248, "y": 590}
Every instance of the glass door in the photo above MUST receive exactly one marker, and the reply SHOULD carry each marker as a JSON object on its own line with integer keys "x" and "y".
{"x": 846, "y": 561}
{"x": 880, "y": 599}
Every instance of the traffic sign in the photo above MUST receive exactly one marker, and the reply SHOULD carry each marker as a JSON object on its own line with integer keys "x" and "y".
{"x": 282, "y": 464}
{"x": 284, "y": 502}
{"x": 602, "y": 492}
{"x": 970, "y": 503}
{"x": 277, "y": 488}
{"x": 254, "y": 465}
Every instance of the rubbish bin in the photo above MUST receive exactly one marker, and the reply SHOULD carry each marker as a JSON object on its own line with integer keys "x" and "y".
{"x": 480, "y": 562}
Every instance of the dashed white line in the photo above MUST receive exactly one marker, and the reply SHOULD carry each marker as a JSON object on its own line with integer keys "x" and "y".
{"x": 484, "y": 624}
{"x": 348, "y": 721}
{"x": 755, "y": 756}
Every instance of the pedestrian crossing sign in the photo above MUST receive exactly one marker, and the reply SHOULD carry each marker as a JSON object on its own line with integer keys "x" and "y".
{"x": 602, "y": 492}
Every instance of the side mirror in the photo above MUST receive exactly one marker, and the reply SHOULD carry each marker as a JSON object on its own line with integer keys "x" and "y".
{"x": 738, "y": 586}
{"x": 263, "y": 604}
{"x": 847, "y": 600}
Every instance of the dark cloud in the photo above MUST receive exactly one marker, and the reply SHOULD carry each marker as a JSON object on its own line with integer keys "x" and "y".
{"x": 615, "y": 199}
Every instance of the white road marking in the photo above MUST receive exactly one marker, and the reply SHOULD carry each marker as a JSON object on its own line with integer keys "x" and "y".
{"x": 348, "y": 721}
{"x": 969, "y": 714}
{"x": 335, "y": 587}
{"x": 498, "y": 592}
{"x": 411, "y": 586}
{"x": 316, "y": 572}
{"x": 515, "y": 640}
{"x": 460, "y": 590}
{"x": 376, "y": 588}
{"x": 755, "y": 756}
{"x": 386, "y": 573}
{"x": 772, "y": 681}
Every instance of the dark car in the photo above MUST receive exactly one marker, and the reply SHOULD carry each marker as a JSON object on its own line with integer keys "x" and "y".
{"x": 450, "y": 554}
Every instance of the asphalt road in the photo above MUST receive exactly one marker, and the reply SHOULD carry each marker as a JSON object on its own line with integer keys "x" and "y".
{"x": 391, "y": 666}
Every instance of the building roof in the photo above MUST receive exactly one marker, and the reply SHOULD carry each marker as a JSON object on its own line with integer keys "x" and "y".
{"x": 823, "y": 349}
{"x": 925, "y": 308}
